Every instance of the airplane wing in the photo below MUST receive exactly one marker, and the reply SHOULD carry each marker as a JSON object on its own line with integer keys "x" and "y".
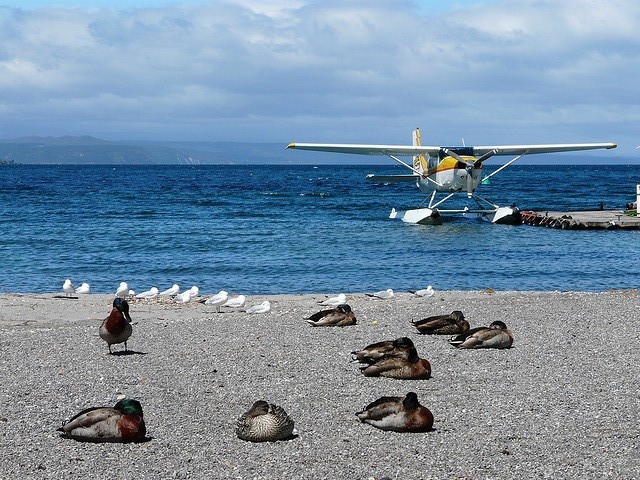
{"x": 531, "y": 149}
{"x": 397, "y": 150}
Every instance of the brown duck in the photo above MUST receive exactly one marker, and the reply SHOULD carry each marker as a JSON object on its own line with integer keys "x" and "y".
{"x": 341, "y": 316}
{"x": 398, "y": 414}
{"x": 399, "y": 347}
{"x": 116, "y": 328}
{"x": 442, "y": 324}
{"x": 496, "y": 335}
{"x": 265, "y": 422}
{"x": 393, "y": 359}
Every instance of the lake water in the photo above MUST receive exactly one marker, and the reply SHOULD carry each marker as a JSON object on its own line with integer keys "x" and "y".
{"x": 298, "y": 229}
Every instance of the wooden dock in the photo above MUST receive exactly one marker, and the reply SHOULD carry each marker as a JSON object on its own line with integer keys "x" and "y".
{"x": 583, "y": 220}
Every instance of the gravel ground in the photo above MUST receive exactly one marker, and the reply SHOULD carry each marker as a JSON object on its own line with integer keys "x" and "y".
{"x": 563, "y": 403}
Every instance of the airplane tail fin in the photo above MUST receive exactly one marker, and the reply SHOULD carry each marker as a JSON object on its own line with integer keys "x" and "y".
{"x": 419, "y": 161}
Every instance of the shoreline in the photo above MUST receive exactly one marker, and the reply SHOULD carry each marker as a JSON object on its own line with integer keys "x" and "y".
{"x": 561, "y": 403}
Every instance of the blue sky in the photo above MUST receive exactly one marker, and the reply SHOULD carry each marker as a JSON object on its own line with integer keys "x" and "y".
{"x": 424, "y": 5}
{"x": 491, "y": 72}
{"x": 115, "y": 4}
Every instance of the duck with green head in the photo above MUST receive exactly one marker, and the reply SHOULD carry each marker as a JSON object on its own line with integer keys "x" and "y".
{"x": 116, "y": 328}
{"x": 122, "y": 423}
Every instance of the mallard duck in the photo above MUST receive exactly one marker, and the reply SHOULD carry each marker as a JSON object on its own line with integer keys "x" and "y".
{"x": 496, "y": 335}
{"x": 398, "y": 414}
{"x": 411, "y": 368}
{"x": 123, "y": 423}
{"x": 397, "y": 359}
{"x": 341, "y": 316}
{"x": 400, "y": 347}
{"x": 116, "y": 328}
{"x": 265, "y": 422}
{"x": 442, "y": 324}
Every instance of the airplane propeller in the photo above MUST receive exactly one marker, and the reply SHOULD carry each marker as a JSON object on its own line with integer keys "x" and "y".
{"x": 484, "y": 157}
{"x": 470, "y": 165}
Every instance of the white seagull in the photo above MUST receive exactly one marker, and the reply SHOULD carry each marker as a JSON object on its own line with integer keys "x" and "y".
{"x": 425, "y": 292}
{"x": 195, "y": 291}
{"x": 184, "y": 297}
{"x": 264, "y": 307}
{"x": 335, "y": 301}
{"x": 151, "y": 293}
{"x": 84, "y": 288}
{"x": 217, "y": 300}
{"x": 383, "y": 294}
{"x": 170, "y": 291}
{"x": 235, "y": 302}
{"x": 123, "y": 290}
{"x": 67, "y": 288}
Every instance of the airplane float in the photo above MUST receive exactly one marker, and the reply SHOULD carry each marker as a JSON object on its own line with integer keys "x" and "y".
{"x": 449, "y": 171}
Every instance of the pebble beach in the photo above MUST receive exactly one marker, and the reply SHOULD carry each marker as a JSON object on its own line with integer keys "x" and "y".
{"x": 563, "y": 402}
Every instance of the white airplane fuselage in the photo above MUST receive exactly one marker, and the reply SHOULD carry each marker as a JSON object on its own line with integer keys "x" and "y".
{"x": 448, "y": 175}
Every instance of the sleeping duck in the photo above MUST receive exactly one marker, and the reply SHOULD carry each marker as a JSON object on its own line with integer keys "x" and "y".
{"x": 450, "y": 324}
{"x": 122, "y": 423}
{"x": 398, "y": 414}
{"x": 496, "y": 335}
{"x": 341, "y": 316}
{"x": 393, "y": 359}
{"x": 265, "y": 422}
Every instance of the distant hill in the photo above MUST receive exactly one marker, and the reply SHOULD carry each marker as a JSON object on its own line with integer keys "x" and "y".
{"x": 65, "y": 140}
{"x": 91, "y": 150}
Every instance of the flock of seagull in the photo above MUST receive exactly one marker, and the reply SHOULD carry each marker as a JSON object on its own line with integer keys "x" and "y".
{"x": 396, "y": 359}
{"x": 221, "y": 299}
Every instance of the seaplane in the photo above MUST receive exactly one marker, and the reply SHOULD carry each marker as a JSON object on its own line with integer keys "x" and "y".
{"x": 449, "y": 171}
